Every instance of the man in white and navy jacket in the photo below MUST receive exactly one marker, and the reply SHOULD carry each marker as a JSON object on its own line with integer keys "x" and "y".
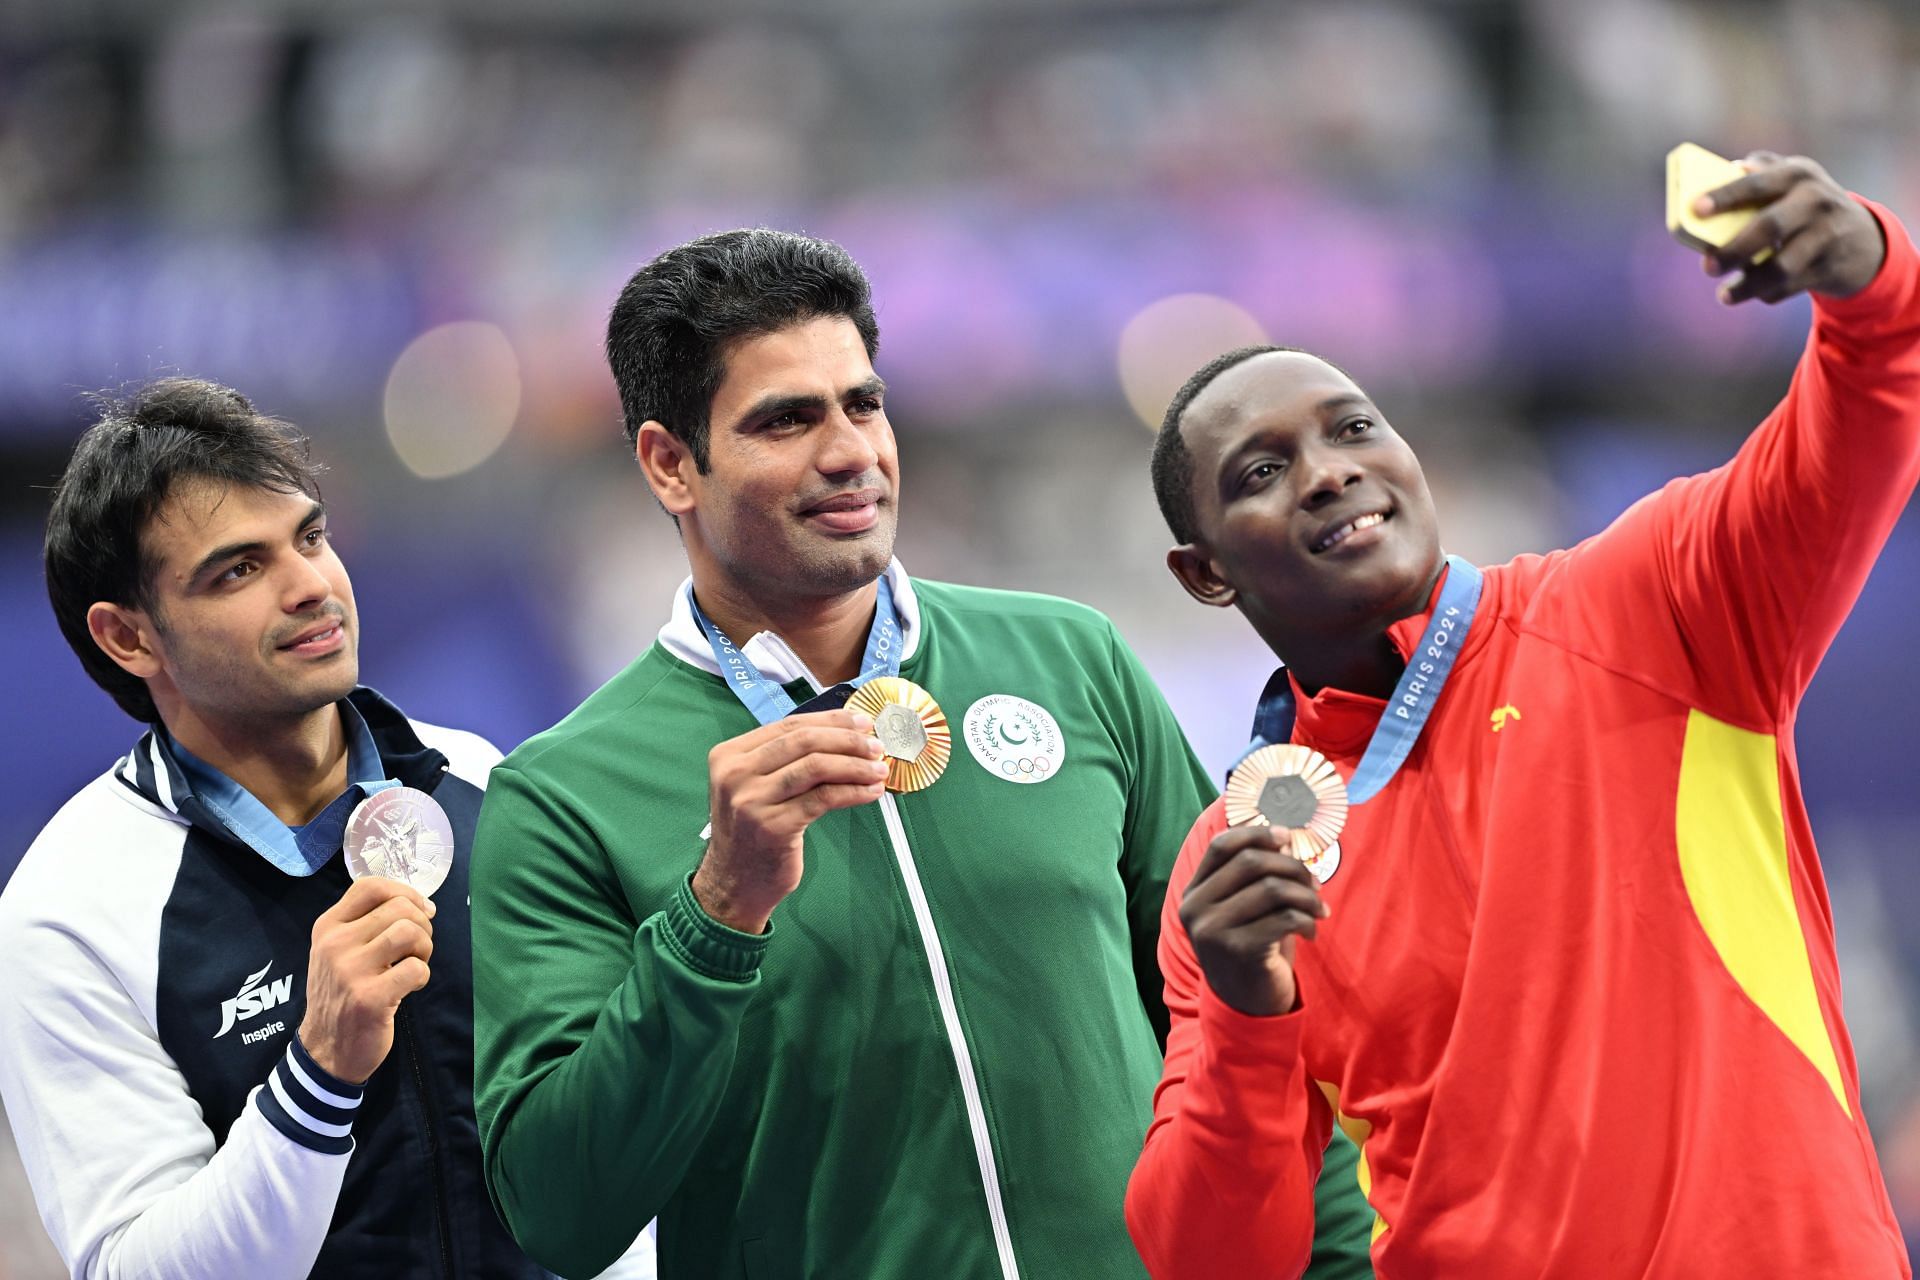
{"x": 220, "y": 1056}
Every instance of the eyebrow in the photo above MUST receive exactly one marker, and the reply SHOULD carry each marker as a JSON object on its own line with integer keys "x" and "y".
{"x": 774, "y": 405}
{"x": 1341, "y": 401}
{"x": 234, "y": 549}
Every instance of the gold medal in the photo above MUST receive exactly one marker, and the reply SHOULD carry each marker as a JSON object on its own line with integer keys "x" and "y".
{"x": 1296, "y": 789}
{"x": 912, "y": 730}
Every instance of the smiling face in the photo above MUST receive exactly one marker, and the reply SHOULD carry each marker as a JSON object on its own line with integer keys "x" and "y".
{"x": 798, "y": 499}
{"x": 253, "y": 616}
{"x": 1310, "y": 513}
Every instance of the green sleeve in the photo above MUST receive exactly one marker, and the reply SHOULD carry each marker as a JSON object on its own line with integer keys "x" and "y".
{"x": 1166, "y": 793}
{"x": 602, "y": 1044}
{"x": 1342, "y": 1218}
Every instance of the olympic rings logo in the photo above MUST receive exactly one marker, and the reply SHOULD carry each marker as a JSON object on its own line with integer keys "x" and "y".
{"x": 1026, "y": 764}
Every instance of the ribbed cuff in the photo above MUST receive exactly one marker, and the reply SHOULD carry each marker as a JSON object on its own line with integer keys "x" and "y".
{"x": 707, "y": 946}
{"x": 310, "y": 1105}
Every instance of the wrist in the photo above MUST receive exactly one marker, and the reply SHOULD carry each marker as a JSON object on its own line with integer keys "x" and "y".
{"x": 1257, "y": 995}
{"x": 324, "y": 1073}
{"x": 724, "y": 906}
{"x": 315, "y": 1049}
{"x": 1890, "y": 275}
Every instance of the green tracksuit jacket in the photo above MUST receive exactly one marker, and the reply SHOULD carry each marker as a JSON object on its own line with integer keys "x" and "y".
{"x": 938, "y": 1061}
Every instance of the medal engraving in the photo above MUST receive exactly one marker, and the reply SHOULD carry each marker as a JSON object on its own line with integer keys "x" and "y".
{"x": 402, "y": 834}
{"x": 1287, "y": 802}
{"x": 912, "y": 729}
{"x": 901, "y": 734}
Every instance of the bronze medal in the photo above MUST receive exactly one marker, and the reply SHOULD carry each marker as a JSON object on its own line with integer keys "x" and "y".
{"x": 1298, "y": 790}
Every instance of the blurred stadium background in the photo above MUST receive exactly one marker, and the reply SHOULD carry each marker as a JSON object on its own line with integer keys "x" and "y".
{"x": 401, "y": 227}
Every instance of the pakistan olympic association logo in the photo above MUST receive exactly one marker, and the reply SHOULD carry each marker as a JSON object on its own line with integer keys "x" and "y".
{"x": 1014, "y": 739}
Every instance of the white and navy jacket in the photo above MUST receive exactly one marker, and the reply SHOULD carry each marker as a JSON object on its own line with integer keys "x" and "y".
{"x": 171, "y": 1126}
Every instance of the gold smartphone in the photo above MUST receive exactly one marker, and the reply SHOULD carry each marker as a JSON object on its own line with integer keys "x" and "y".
{"x": 1692, "y": 171}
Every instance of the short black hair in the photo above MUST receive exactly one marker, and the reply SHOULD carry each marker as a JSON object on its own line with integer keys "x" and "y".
{"x": 135, "y": 455}
{"x": 668, "y": 335}
{"x": 1172, "y": 463}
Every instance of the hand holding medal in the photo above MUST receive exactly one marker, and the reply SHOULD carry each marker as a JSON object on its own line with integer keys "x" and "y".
{"x": 912, "y": 729}
{"x": 373, "y": 947}
{"x": 1297, "y": 790}
{"x": 1255, "y": 891}
{"x": 402, "y": 834}
{"x": 767, "y": 786}
{"x": 1247, "y": 907}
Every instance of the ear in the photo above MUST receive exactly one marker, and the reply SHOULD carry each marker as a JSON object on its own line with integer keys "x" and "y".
{"x": 125, "y": 635}
{"x": 668, "y": 465}
{"x": 1191, "y": 564}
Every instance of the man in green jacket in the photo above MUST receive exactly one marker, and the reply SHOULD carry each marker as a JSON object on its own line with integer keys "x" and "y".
{"x": 826, "y": 930}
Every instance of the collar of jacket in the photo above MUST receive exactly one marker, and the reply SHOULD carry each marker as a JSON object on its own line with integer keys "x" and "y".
{"x": 682, "y": 637}
{"x": 151, "y": 771}
{"x": 1340, "y": 722}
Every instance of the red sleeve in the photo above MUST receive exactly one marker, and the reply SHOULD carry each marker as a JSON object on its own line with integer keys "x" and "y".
{"x": 1225, "y": 1183}
{"x": 1731, "y": 585}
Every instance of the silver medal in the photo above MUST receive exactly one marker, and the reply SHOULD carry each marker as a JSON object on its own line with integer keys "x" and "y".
{"x": 402, "y": 834}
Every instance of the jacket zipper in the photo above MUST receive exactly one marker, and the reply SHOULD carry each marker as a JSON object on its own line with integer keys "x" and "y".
{"x": 404, "y": 1017}
{"x": 956, "y": 1038}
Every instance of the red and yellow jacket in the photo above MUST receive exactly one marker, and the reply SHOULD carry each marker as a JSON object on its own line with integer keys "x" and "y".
{"x": 1577, "y": 998}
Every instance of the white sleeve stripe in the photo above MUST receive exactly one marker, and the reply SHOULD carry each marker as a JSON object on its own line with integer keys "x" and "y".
{"x": 299, "y": 1113}
{"x": 325, "y": 1095}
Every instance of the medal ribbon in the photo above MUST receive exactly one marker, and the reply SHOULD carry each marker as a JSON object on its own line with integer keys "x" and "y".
{"x": 1413, "y": 698}
{"x": 766, "y": 699}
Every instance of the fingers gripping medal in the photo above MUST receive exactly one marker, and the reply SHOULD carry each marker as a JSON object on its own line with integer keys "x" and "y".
{"x": 402, "y": 834}
{"x": 1297, "y": 789}
{"x": 912, "y": 730}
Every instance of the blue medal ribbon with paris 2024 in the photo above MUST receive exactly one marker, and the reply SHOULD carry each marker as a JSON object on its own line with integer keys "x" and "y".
{"x": 1413, "y": 698}
{"x": 767, "y": 700}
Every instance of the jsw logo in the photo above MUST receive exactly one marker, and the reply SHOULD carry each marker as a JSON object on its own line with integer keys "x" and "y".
{"x": 254, "y": 999}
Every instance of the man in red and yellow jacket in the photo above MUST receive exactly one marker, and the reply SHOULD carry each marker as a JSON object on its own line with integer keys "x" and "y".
{"x": 1569, "y": 975}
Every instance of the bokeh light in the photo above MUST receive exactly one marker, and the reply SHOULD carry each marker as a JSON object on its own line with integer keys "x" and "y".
{"x": 452, "y": 398}
{"x": 1162, "y": 346}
